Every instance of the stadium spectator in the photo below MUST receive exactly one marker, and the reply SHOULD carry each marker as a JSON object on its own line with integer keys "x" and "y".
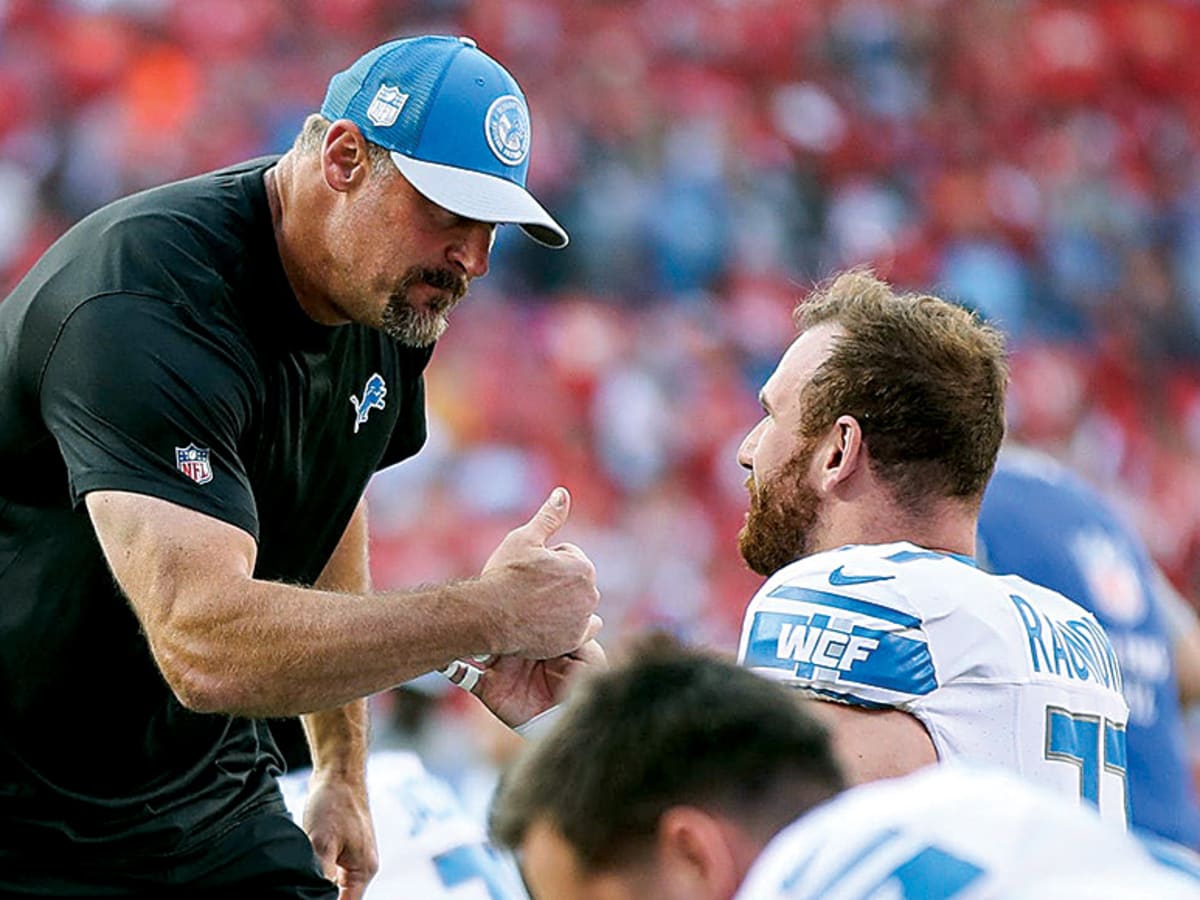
{"x": 1047, "y": 525}
{"x": 881, "y": 428}
{"x": 1036, "y": 159}
{"x": 679, "y": 776}
{"x": 196, "y": 384}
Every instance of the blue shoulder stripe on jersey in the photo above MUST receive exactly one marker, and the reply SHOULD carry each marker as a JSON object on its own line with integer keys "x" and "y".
{"x": 850, "y": 604}
{"x": 839, "y": 653}
{"x": 930, "y": 873}
{"x": 799, "y": 869}
{"x": 902, "y": 556}
{"x": 871, "y": 846}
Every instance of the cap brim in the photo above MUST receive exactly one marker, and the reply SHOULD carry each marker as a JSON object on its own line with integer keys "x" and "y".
{"x": 482, "y": 197}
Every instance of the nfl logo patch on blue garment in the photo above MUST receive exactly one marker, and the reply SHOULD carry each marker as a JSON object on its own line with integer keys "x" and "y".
{"x": 386, "y": 105}
{"x": 192, "y": 461}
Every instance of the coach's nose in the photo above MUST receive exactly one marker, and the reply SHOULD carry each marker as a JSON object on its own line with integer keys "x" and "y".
{"x": 472, "y": 247}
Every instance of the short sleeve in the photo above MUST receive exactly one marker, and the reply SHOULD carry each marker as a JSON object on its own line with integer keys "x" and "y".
{"x": 142, "y": 397}
{"x": 838, "y": 646}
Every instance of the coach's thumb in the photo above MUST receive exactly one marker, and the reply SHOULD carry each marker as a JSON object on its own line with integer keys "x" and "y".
{"x": 551, "y": 516}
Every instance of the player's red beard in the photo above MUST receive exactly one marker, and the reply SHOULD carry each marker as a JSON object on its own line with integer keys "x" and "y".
{"x": 417, "y": 324}
{"x": 781, "y": 518}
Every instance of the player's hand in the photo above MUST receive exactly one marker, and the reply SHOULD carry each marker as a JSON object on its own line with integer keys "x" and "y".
{"x": 543, "y": 597}
{"x": 517, "y": 689}
{"x": 338, "y": 823}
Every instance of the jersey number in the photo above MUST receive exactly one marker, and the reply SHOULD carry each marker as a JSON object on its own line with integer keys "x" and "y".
{"x": 1087, "y": 742}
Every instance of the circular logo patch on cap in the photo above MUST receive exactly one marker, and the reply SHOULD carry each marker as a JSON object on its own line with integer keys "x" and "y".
{"x": 507, "y": 127}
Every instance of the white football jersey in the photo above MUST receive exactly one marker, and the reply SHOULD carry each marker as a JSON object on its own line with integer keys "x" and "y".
{"x": 949, "y": 833}
{"x": 1000, "y": 671}
{"x": 428, "y": 847}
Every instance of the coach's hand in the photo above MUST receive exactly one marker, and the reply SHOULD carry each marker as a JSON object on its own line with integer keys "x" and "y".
{"x": 516, "y": 689}
{"x": 338, "y": 823}
{"x": 544, "y": 597}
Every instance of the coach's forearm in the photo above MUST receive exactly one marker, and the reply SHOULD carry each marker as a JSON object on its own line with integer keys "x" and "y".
{"x": 338, "y": 739}
{"x": 227, "y": 642}
{"x": 279, "y": 650}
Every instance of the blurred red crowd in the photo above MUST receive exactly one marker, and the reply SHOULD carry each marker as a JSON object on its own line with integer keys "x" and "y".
{"x": 1038, "y": 160}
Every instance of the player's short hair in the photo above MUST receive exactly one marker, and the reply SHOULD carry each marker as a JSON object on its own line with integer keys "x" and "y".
{"x": 312, "y": 138}
{"x": 670, "y": 727}
{"x": 925, "y": 379}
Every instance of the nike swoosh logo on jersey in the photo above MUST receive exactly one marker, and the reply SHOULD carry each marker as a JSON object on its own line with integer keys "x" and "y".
{"x": 838, "y": 579}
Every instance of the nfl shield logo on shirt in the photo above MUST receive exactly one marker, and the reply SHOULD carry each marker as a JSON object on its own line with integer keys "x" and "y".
{"x": 192, "y": 461}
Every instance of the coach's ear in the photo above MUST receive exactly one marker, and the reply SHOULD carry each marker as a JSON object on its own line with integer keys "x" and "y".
{"x": 701, "y": 855}
{"x": 344, "y": 160}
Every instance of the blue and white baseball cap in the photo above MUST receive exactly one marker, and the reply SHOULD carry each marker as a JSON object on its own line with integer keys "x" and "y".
{"x": 456, "y": 123}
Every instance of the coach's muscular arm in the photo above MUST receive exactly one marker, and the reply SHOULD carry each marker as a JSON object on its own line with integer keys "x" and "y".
{"x": 337, "y": 816}
{"x": 228, "y": 642}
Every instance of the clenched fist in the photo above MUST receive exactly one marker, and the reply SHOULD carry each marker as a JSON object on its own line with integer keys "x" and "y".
{"x": 543, "y": 597}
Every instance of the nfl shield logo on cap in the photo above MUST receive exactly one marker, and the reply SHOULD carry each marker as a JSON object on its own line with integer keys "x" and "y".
{"x": 192, "y": 461}
{"x": 386, "y": 105}
{"x": 456, "y": 123}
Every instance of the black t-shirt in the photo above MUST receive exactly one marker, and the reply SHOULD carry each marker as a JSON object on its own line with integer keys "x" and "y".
{"x": 157, "y": 348}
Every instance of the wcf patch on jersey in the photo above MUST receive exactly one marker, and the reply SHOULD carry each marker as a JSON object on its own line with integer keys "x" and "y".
{"x": 193, "y": 462}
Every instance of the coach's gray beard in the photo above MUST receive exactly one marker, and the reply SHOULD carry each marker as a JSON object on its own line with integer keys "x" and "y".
{"x": 415, "y": 325}
{"x": 780, "y": 522}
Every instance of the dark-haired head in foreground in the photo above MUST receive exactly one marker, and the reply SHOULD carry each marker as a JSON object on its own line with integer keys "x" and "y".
{"x": 665, "y": 778}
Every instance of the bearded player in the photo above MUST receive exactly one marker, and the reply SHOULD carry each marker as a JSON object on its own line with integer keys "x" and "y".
{"x": 882, "y": 425}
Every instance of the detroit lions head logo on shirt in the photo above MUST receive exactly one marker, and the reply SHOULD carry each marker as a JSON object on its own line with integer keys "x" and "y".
{"x": 372, "y": 398}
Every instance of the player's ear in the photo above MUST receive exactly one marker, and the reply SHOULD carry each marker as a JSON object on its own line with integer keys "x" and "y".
{"x": 694, "y": 856}
{"x": 344, "y": 160}
{"x": 842, "y": 452}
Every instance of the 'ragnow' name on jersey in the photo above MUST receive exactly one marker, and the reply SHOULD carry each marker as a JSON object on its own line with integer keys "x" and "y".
{"x": 1073, "y": 648}
{"x": 998, "y": 670}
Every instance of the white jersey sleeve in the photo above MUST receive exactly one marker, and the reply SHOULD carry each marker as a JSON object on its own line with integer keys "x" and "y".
{"x": 950, "y": 833}
{"x": 428, "y": 846}
{"x": 998, "y": 670}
